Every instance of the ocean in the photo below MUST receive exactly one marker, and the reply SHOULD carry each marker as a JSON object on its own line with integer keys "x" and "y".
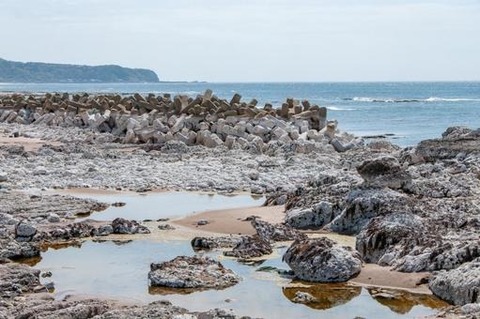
{"x": 404, "y": 112}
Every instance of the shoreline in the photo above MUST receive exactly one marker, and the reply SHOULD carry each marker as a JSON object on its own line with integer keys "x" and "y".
{"x": 395, "y": 201}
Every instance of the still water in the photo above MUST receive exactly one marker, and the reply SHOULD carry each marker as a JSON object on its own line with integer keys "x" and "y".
{"x": 119, "y": 269}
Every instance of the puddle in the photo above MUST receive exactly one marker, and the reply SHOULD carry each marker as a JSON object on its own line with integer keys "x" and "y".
{"x": 155, "y": 205}
{"x": 119, "y": 269}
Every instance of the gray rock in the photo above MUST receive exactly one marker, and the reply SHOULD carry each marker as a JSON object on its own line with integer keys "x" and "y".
{"x": 24, "y": 229}
{"x": 53, "y": 218}
{"x": 250, "y": 247}
{"x": 206, "y": 243}
{"x": 459, "y": 286}
{"x": 313, "y": 217}
{"x": 16, "y": 279}
{"x": 384, "y": 171}
{"x": 11, "y": 249}
{"x": 382, "y": 233}
{"x": 277, "y": 232}
{"x": 3, "y": 177}
{"x": 124, "y": 226}
{"x": 322, "y": 260}
{"x": 364, "y": 204}
{"x": 192, "y": 272}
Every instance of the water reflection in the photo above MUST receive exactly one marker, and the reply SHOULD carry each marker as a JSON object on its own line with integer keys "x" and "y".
{"x": 322, "y": 296}
{"x": 402, "y": 302}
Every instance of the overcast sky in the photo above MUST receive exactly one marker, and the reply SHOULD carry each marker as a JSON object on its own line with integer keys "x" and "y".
{"x": 252, "y": 40}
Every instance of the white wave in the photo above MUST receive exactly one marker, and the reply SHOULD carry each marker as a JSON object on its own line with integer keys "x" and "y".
{"x": 363, "y": 99}
{"x": 334, "y": 108}
{"x": 439, "y": 99}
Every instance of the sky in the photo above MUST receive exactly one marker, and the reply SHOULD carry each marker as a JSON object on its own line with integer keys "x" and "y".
{"x": 252, "y": 40}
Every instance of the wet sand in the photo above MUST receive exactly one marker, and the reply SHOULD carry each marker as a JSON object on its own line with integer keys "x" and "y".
{"x": 231, "y": 221}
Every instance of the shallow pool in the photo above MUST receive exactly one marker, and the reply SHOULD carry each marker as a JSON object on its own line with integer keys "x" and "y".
{"x": 115, "y": 269}
{"x": 156, "y": 205}
{"x": 119, "y": 270}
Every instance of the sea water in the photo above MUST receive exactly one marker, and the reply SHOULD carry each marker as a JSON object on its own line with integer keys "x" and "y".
{"x": 405, "y": 112}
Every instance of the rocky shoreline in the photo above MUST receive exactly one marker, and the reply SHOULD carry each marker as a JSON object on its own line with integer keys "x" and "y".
{"x": 414, "y": 209}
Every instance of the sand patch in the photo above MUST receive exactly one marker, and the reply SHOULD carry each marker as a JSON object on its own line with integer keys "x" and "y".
{"x": 231, "y": 221}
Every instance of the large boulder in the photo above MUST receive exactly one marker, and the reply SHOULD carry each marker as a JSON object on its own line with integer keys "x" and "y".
{"x": 364, "y": 204}
{"x": 322, "y": 260}
{"x": 192, "y": 272}
{"x": 376, "y": 242}
{"x": 459, "y": 286}
{"x": 384, "y": 171}
{"x": 454, "y": 141}
{"x": 313, "y": 217}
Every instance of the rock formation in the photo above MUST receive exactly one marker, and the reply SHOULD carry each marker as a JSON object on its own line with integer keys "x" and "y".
{"x": 322, "y": 260}
{"x": 192, "y": 272}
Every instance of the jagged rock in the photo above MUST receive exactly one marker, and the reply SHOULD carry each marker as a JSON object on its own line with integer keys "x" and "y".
{"x": 11, "y": 249}
{"x": 276, "y": 232}
{"x": 16, "y": 279}
{"x": 384, "y": 232}
{"x": 362, "y": 205}
{"x": 313, "y": 217}
{"x": 124, "y": 226}
{"x": 206, "y": 243}
{"x": 250, "y": 247}
{"x": 459, "y": 286}
{"x": 454, "y": 141}
{"x": 26, "y": 230}
{"x": 192, "y": 272}
{"x": 384, "y": 172}
{"x": 322, "y": 260}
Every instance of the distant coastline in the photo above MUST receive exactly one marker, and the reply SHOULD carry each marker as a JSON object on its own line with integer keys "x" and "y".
{"x": 38, "y": 72}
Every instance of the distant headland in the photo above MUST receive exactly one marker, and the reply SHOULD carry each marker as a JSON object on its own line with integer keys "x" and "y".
{"x": 36, "y": 72}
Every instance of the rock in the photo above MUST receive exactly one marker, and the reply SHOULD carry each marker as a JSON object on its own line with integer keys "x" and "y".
{"x": 377, "y": 240}
{"x": 165, "y": 227}
{"x": 322, "y": 260}
{"x": 459, "y": 286}
{"x": 202, "y": 222}
{"x": 207, "y": 243}
{"x": 278, "y": 232}
{"x": 454, "y": 141}
{"x": 3, "y": 177}
{"x": 11, "y": 249}
{"x": 384, "y": 172}
{"x": 24, "y": 229}
{"x": 40, "y": 171}
{"x": 250, "y": 247}
{"x": 104, "y": 230}
{"x": 310, "y": 218}
{"x": 361, "y": 205}
{"x": 124, "y": 226}
{"x": 16, "y": 279}
{"x": 53, "y": 218}
{"x": 192, "y": 272}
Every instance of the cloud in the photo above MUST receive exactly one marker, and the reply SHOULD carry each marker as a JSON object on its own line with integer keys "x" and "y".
{"x": 273, "y": 40}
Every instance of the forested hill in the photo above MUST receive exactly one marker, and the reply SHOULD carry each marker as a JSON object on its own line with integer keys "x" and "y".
{"x": 58, "y": 73}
